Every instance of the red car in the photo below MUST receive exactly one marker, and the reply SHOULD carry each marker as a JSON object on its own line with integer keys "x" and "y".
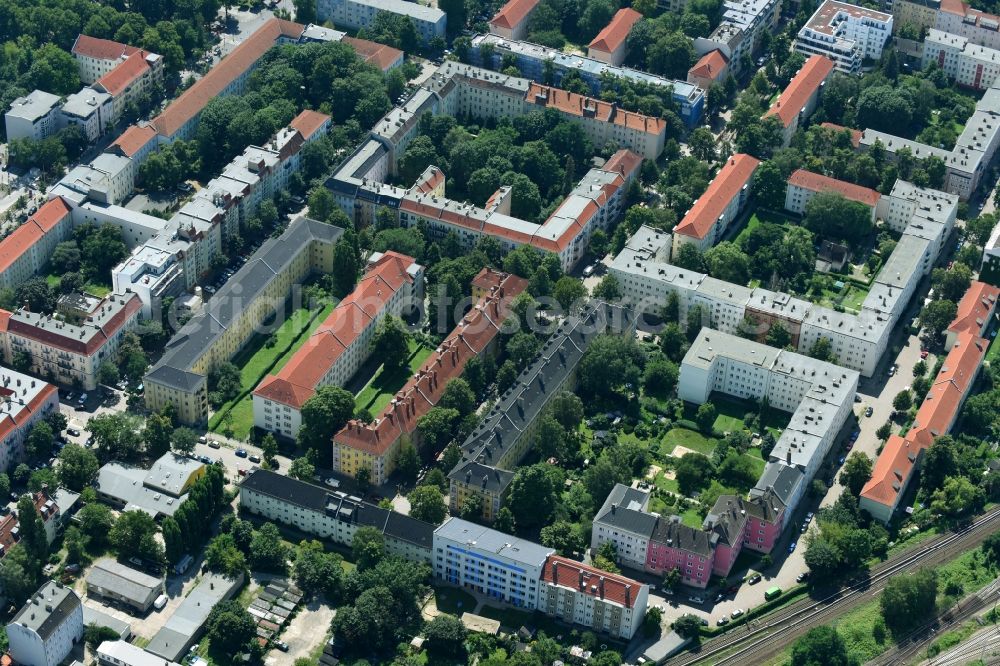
{"x": 923, "y": 353}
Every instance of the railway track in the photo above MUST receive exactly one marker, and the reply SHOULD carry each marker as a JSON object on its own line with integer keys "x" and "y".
{"x": 753, "y": 643}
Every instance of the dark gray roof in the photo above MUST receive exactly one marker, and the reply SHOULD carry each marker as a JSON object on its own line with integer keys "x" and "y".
{"x": 489, "y": 478}
{"x": 522, "y": 403}
{"x": 630, "y": 520}
{"x": 344, "y": 507}
{"x": 781, "y": 478}
{"x": 672, "y": 532}
{"x": 727, "y": 519}
{"x": 765, "y": 506}
{"x": 199, "y": 334}
{"x": 47, "y": 609}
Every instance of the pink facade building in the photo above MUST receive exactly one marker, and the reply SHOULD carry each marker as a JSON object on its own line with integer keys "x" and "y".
{"x": 765, "y": 518}
{"x": 674, "y": 545}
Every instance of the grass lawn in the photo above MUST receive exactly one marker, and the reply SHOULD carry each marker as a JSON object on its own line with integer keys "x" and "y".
{"x": 993, "y": 352}
{"x": 690, "y": 439}
{"x": 692, "y": 518}
{"x": 257, "y": 359}
{"x": 453, "y": 600}
{"x": 379, "y": 391}
{"x": 758, "y": 217}
{"x": 92, "y": 288}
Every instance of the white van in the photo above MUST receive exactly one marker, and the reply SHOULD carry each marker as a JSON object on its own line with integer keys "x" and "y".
{"x": 160, "y": 602}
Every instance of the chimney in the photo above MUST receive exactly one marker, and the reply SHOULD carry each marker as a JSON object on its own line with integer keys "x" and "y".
{"x": 601, "y": 584}
{"x": 628, "y": 596}
{"x": 555, "y": 572}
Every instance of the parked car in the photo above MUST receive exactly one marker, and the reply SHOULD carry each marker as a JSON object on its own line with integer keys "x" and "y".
{"x": 214, "y": 444}
{"x": 892, "y": 371}
{"x": 723, "y": 621}
{"x": 281, "y": 645}
{"x": 869, "y": 411}
{"x": 924, "y": 353}
{"x": 695, "y": 599}
{"x": 792, "y": 545}
{"x": 754, "y": 579}
{"x": 802, "y": 576}
{"x": 255, "y": 458}
{"x": 241, "y": 453}
{"x": 160, "y": 602}
{"x": 737, "y": 613}
{"x": 205, "y": 459}
{"x": 73, "y": 431}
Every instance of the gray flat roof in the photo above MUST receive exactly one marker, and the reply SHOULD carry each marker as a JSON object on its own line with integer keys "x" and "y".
{"x": 123, "y": 581}
{"x": 47, "y": 609}
{"x": 493, "y": 541}
{"x": 186, "y": 624}
{"x": 33, "y": 106}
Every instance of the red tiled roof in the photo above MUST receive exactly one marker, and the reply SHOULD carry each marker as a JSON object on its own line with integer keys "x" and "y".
{"x": 816, "y": 182}
{"x": 616, "y": 31}
{"x": 710, "y": 66}
{"x": 469, "y": 339}
{"x": 801, "y": 88}
{"x": 727, "y": 184}
{"x": 590, "y": 581}
{"x": 975, "y": 308}
{"x": 124, "y": 75}
{"x": 581, "y": 106}
{"x": 24, "y": 237}
{"x": 296, "y": 382}
{"x": 936, "y": 415}
{"x": 308, "y": 123}
{"x": 134, "y": 139}
{"x": 380, "y": 55}
{"x": 511, "y": 14}
{"x": 624, "y": 162}
{"x": 855, "y": 134}
{"x": 101, "y": 49}
{"x": 9, "y": 522}
{"x": 234, "y": 65}
{"x": 84, "y": 347}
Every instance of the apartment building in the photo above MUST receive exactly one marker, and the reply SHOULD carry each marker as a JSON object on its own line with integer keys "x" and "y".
{"x": 801, "y": 96}
{"x": 951, "y": 16}
{"x": 974, "y": 314}
{"x": 492, "y": 451}
{"x": 430, "y": 22}
{"x": 847, "y": 34}
{"x": 70, "y": 345}
{"x": 47, "y": 627}
{"x": 819, "y": 395}
{"x": 610, "y": 43}
{"x": 902, "y": 454}
{"x": 713, "y": 67}
{"x": 373, "y": 446}
{"x": 578, "y": 594}
{"x": 511, "y": 22}
{"x": 625, "y": 521}
{"x": 968, "y": 64}
{"x": 25, "y": 401}
{"x": 723, "y": 202}
{"x": 27, "y": 249}
{"x": 257, "y": 291}
{"x": 34, "y": 116}
{"x": 96, "y": 57}
{"x": 158, "y": 491}
{"x": 392, "y": 286}
{"x": 90, "y": 110}
{"x": 538, "y": 62}
{"x": 739, "y": 32}
{"x": 333, "y": 515}
{"x": 804, "y": 185}
{"x": 500, "y": 566}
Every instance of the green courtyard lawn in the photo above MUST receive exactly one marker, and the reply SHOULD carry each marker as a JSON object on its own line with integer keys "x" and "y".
{"x": 379, "y": 391}
{"x": 453, "y": 600}
{"x": 257, "y": 359}
{"x": 92, "y": 288}
{"x": 759, "y": 216}
{"x": 689, "y": 439}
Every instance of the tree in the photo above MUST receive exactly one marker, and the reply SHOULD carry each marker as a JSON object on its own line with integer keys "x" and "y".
{"x": 427, "y": 504}
{"x": 821, "y": 646}
{"x": 96, "y": 522}
{"x": 305, "y": 11}
{"x": 391, "y": 343}
{"x": 532, "y": 495}
{"x": 302, "y": 469}
{"x": 345, "y": 268}
{"x": 822, "y": 349}
{"x": 608, "y": 288}
{"x": 569, "y": 290}
{"x": 769, "y": 185}
{"x": 173, "y": 540}
{"x": 269, "y": 449}
{"x": 267, "y": 551}
{"x": 368, "y": 547}
{"x": 323, "y": 415}
{"x": 822, "y": 558}
{"x": 688, "y": 626}
{"x": 693, "y": 471}
{"x": 705, "y": 417}
{"x": 778, "y": 336}
{"x": 184, "y": 440}
{"x": 31, "y": 529}
{"x": 564, "y": 536}
{"x": 222, "y": 555}
{"x": 951, "y": 283}
{"x": 157, "y": 434}
{"x": 108, "y": 374}
{"x": 436, "y": 426}
{"x": 317, "y": 571}
{"x": 39, "y": 442}
{"x": 504, "y": 521}
{"x": 903, "y": 401}
{"x": 831, "y": 216}
{"x": 230, "y": 627}
{"x": 407, "y": 460}
{"x": 906, "y": 600}
{"x": 458, "y": 395}
{"x": 701, "y": 143}
{"x": 133, "y": 535}
{"x": 610, "y": 364}
{"x": 937, "y": 315}
{"x": 856, "y": 472}
{"x": 957, "y": 497}
{"x": 727, "y": 262}
{"x": 18, "y": 575}
{"x": 446, "y": 636}
{"x": 77, "y": 466}
{"x": 737, "y": 471}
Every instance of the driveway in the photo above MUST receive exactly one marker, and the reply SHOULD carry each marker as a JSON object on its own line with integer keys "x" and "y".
{"x": 307, "y": 629}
